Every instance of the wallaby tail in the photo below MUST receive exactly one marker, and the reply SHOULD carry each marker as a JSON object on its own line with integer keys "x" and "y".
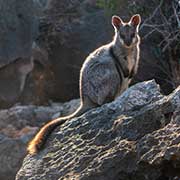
{"x": 39, "y": 140}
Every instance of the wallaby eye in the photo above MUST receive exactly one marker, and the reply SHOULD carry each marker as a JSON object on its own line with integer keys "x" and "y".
{"x": 122, "y": 36}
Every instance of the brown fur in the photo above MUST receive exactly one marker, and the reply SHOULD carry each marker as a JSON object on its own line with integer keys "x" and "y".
{"x": 33, "y": 146}
{"x": 39, "y": 140}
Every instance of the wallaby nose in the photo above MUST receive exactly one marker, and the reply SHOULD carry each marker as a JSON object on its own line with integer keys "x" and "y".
{"x": 128, "y": 42}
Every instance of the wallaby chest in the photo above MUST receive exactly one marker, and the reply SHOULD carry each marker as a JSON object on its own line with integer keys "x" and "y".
{"x": 131, "y": 60}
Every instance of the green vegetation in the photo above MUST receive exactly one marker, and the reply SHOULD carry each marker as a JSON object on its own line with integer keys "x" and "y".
{"x": 110, "y": 6}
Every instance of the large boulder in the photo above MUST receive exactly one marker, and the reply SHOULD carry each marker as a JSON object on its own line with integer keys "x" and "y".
{"x": 134, "y": 137}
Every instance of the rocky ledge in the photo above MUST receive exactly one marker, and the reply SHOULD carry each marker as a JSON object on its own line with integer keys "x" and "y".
{"x": 136, "y": 137}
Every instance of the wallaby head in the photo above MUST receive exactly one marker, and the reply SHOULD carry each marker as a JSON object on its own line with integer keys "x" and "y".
{"x": 127, "y": 32}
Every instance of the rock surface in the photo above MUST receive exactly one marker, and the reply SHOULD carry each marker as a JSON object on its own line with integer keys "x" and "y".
{"x": 19, "y": 28}
{"x": 17, "y": 126}
{"x": 134, "y": 137}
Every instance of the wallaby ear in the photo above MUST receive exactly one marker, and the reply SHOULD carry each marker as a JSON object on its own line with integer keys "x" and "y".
{"x": 135, "y": 20}
{"x": 116, "y": 22}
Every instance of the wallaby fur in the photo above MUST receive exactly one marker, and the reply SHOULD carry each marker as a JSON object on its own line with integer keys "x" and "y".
{"x": 105, "y": 74}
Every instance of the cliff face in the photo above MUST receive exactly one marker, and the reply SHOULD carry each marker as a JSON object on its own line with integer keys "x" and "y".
{"x": 134, "y": 137}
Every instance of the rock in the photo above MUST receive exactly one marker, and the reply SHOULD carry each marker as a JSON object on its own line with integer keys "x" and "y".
{"x": 19, "y": 28}
{"x": 69, "y": 31}
{"x": 134, "y": 137}
{"x": 61, "y": 31}
{"x": 17, "y": 126}
{"x": 12, "y": 153}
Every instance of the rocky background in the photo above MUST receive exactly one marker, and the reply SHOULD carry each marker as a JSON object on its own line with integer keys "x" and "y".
{"x": 18, "y": 125}
{"x": 43, "y": 45}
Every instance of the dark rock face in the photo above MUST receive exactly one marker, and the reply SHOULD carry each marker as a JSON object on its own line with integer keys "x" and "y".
{"x": 62, "y": 31}
{"x": 134, "y": 137}
{"x": 19, "y": 28}
{"x": 69, "y": 31}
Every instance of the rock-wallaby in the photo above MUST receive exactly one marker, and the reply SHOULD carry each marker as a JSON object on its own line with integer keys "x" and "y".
{"x": 105, "y": 74}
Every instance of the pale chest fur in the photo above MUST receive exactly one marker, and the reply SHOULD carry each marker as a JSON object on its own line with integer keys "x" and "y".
{"x": 132, "y": 59}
